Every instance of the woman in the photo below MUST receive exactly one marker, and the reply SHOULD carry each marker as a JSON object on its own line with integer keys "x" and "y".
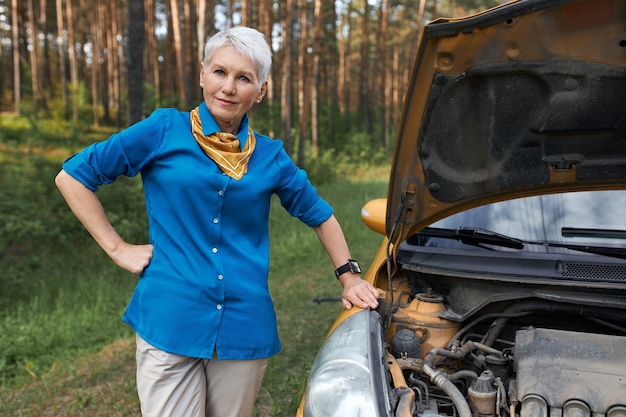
{"x": 202, "y": 311}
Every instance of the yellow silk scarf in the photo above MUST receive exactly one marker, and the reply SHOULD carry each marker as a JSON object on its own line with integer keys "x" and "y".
{"x": 223, "y": 148}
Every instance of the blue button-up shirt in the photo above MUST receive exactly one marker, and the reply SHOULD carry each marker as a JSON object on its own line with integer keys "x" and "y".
{"x": 206, "y": 287}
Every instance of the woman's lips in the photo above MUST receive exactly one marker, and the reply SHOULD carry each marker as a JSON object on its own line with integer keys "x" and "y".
{"x": 225, "y": 102}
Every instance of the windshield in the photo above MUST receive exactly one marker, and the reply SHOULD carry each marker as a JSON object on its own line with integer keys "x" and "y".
{"x": 542, "y": 218}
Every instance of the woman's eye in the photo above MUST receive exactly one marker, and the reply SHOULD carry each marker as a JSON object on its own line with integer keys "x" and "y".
{"x": 244, "y": 78}
{"x": 219, "y": 72}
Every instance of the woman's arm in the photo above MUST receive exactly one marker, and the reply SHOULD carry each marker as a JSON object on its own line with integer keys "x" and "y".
{"x": 87, "y": 207}
{"x": 356, "y": 291}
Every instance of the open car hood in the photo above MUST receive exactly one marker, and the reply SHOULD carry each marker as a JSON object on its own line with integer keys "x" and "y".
{"x": 526, "y": 98}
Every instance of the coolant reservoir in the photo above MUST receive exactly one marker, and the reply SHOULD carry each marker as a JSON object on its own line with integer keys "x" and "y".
{"x": 421, "y": 316}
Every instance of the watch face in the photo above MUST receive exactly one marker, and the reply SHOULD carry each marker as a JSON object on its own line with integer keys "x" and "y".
{"x": 355, "y": 267}
{"x": 352, "y": 266}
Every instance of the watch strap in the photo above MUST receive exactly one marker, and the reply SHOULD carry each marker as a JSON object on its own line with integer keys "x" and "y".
{"x": 351, "y": 265}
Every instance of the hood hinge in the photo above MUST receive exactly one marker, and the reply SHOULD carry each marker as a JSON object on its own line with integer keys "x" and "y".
{"x": 409, "y": 200}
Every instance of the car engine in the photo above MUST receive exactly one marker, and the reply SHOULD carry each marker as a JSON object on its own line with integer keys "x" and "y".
{"x": 487, "y": 348}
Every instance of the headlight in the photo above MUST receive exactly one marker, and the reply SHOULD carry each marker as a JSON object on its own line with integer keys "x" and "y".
{"x": 347, "y": 376}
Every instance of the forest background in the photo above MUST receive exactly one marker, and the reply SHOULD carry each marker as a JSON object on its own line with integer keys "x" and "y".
{"x": 74, "y": 71}
{"x": 337, "y": 81}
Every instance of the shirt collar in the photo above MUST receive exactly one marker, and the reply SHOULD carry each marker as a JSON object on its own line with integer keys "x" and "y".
{"x": 209, "y": 125}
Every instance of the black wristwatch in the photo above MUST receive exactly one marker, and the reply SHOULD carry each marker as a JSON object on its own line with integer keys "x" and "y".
{"x": 352, "y": 266}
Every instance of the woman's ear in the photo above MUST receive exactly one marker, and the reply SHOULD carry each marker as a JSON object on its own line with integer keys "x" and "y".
{"x": 262, "y": 92}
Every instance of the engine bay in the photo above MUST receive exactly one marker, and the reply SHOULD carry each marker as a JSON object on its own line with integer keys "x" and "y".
{"x": 511, "y": 353}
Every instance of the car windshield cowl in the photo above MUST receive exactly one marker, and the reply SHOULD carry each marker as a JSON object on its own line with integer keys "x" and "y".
{"x": 481, "y": 237}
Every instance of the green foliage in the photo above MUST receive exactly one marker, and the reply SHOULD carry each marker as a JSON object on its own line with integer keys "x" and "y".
{"x": 82, "y": 315}
{"x": 34, "y": 218}
{"x": 355, "y": 158}
{"x": 360, "y": 148}
{"x": 51, "y": 293}
{"x": 30, "y": 134}
{"x": 126, "y": 209}
{"x": 324, "y": 169}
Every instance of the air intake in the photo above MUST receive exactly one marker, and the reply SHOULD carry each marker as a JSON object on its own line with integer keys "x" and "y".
{"x": 593, "y": 271}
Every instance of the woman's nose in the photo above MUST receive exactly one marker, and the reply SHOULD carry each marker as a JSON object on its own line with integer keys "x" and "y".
{"x": 229, "y": 86}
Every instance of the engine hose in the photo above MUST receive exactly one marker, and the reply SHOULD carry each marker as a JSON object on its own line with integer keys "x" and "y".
{"x": 534, "y": 306}
{"x": 466, "y": 373}
{"x": 458, "y": 353}
{"x": 441, "y": 380}
{"x": 480, "y": 319}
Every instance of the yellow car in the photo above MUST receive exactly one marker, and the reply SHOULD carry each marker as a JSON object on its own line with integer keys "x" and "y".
{"x": 502, "y": 272}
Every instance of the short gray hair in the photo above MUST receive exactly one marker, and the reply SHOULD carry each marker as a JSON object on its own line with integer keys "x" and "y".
{"x": 247, "y": 41}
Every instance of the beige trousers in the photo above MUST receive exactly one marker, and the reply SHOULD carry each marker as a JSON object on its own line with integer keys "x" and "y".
{"x": 171, "y": 385}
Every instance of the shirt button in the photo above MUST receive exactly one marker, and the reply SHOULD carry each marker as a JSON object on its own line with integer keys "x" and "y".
{"x": 220, "y": 192}
{"x": 214, "y": 250}
{"x": 215, "y": 220}
{"x": 220, "y": 277}
{"x": 219, "y": 306}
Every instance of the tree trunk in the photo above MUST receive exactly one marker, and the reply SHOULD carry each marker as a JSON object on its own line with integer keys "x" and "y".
{"x": 61, "y": 48}
{"x": 345, "y": 67}
{"x": 266, "y": 22}
{"x": 109, "y": 63}
{"x": 2, "y": 74}
{"x": 211, "y": 13}
{"x": 303, "y": 84}
{"x": 384, "y": 71}
{"x": 331, "y": 59}
{"x": 135, "y": 60}
{"x": 117, "y": 64}
{"x": 151, "y": 53}
{"x": 286, "y": 76}
{"x": 211, "y": 17}
{"x": 246, "y": 13}
{"x": 200, "y": 28}
{"x": 105, "y": 86}
{"x": 341, "y": 78}
{"x": 33, "y": 55}
{"x": 420, "y": 13}
{"x": 365, "y": 79}
{"x": 17, "y": 97}
{"x": 178, "y": 53}
{"x": 231, "y": 13}
{"x": 396, "y": 96}
{"x": 96, "y": 35}
{"x": 168, "y": 66}
{"x": 44, "y": 58}
{"x": 315, "y": 86}
{"x": 190, "y": 76}
{"x": 71, "y": 55}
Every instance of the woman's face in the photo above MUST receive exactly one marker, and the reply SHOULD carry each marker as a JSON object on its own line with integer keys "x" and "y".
{"x": 231, "y": 86}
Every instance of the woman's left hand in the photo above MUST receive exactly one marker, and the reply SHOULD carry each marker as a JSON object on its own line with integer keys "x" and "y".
{"x": 358, "y": 292}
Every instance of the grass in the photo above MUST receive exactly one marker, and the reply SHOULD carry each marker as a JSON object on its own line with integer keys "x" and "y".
{"x": 63, "y": 348}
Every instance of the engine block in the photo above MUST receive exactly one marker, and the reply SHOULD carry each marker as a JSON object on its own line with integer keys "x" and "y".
{"x": 570, "y": 374}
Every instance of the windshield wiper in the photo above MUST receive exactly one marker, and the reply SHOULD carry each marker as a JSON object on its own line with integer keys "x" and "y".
{"x": 473, "y": 236}
{"x": 619, "y": 253}
{"x": 597, "y": 233}
{"x": 479, "y": 237}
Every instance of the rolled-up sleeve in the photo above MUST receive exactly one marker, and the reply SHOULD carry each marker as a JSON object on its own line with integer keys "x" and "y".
{"x": 124, "y": 153}
{"x": 298, "y": 196}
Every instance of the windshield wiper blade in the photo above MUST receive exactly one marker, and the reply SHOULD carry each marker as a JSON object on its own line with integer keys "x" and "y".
{"x": 597, "y": 233}
{"x": 619, "y": 253}
{"x": 473, "y": 236}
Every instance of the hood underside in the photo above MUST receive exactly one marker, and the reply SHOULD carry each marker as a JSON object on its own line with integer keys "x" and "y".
{"x": 527, "y": 98}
